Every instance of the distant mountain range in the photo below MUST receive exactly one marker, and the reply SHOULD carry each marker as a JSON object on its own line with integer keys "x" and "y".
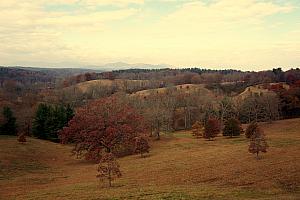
{"x": 123, "y": 65}
{"x": 93, "y": 68}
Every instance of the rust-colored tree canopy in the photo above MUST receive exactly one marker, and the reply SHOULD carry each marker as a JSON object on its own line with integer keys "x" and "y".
{"x": 212, "y": 128}
{"x": 105, "y": 125}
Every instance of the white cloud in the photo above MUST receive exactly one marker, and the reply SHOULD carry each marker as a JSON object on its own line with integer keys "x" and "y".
{"x": 222, "y": 32}
{"x": 30, "y": 34}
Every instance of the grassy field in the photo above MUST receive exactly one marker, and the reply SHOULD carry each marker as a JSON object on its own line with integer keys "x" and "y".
{"x": 187, "y": 88}
{"x": 178, "y": 167}
{"x": 84, "y": 86}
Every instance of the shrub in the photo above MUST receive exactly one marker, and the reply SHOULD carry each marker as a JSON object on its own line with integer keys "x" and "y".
{"x": 197, "y": 129}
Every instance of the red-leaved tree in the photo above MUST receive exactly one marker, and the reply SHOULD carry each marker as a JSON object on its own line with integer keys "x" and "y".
{"x": 103, "y": 126}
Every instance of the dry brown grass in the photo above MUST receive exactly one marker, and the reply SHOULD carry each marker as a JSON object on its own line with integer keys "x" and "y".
{"x": 179, "y": 167}
{"x": 183, "y": 88}
{"x": 253, "y": 91}
{"x": 84, "y": 86}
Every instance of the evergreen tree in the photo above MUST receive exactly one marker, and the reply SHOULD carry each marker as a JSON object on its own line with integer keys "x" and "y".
{"x": 9, "y": 127}
{"x": 40, "y": 128}
{"x": 69, "y": 113}
{"x": 50, "y": 119}
{"x": 232, "y": 128}
{"x": 56, "y": 121}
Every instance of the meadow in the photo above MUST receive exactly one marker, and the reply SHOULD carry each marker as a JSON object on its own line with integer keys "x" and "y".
{"x": 178, "y": 167}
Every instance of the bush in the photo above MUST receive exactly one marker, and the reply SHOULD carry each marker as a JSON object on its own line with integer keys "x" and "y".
{"x": 197, "y": 129}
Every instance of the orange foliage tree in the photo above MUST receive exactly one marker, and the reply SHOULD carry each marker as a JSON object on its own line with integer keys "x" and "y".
{"x": 197, "y": 129}
{"x": 108, "y": 168}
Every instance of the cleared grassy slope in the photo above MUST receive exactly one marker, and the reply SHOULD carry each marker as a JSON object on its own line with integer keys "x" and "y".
{"x": 119, "y": 83}
{"x": 183, "y": 88}
{"x": 258, "y": 90}
{"x": 179, "y": 167}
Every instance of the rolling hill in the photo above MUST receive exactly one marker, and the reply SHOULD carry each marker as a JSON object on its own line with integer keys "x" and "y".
{"x": 178, "y": 167}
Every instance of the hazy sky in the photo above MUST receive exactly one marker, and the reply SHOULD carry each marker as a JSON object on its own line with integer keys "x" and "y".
{"x": 241, "y": 34}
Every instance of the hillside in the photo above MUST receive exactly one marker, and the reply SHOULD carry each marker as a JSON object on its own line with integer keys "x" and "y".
{"x": 259, "y": 90}
{"x": 186, "y": 88}
{"x": 118, "y": 83}
{"x": 179, "y": 167}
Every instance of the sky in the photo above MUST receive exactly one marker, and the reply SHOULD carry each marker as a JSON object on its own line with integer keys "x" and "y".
{"x": 217, "y": 34}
